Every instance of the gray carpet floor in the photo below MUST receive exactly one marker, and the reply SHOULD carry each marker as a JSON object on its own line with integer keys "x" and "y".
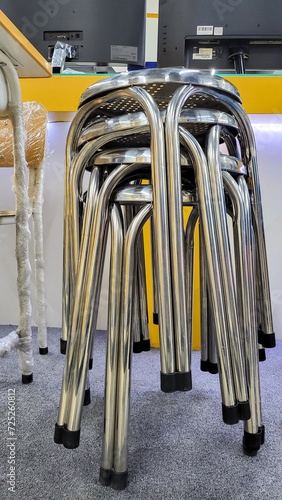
{"x": 178, "y": 446}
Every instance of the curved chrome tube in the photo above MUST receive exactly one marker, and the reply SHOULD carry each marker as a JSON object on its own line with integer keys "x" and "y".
{"x": 249, "y": 156}
{"x": 216, "y": 293}
{"x": 189, "y": 281}
{"x": 244, "y": 258}
{"x": 204, "y": 302}
{"x": 233, "y": 327}
{"x": 125, "y": 349}
{"x": 250, "y": 425}
{"x": 142, "y": 288}
{"x": 117, "y": 241}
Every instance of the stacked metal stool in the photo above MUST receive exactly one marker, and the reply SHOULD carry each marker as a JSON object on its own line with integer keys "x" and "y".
{"x": 182, "y": 117}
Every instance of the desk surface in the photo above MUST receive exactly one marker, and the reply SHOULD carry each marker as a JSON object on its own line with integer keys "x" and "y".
{"x": 28, "y": 61}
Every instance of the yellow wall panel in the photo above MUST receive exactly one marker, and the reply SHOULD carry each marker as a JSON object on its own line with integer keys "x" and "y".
{"x": 154, "y": 329}
{"x": 260, "y": 94}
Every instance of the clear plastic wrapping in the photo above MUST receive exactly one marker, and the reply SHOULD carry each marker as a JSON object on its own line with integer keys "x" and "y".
{"x": 28, "y": 149}
{"x": 8, "y": 343}
{"x": 61, "y": 52}
{"x": 35, "y": 121}
{"x": 24, "y": 346}
{"x": 36, "y": 180}
{"x": 23, "y": 234}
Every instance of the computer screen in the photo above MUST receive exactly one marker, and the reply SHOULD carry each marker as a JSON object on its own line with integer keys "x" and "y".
{"x": 102, "y": 31}
{"x": 221, "y": 35}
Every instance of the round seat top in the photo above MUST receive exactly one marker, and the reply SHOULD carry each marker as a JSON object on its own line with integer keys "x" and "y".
{"x": 160, "y": 82}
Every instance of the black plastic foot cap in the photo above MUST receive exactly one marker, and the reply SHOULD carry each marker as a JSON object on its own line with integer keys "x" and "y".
{"x": 87, "y": 397}
{"x": 205, "y": 364}
{"x": 251, "y": 443}
{"x": 184, "y": 381}
{"x": 71, "y": 439}
{"x": 266, "y": 339}
{"x": 63, "y": 346}
{"x": 262, "y": 431}
{"x": 90, "y": 366}
{"x": 27, "y": 379}
{"x": 119, "y": 480}
{"x": 244, "y": 410}
{"x": 168, "y": 382}
{"x": 213, "y": 368}
{"x": 137, "y": 347}
{"x": 230, "y": 414}
{"x": 105, "y": 477}
{"x": 262, "y": 356}
{"x": 155, "y": 318}
{"x": 43, "y": 350}
{"x": 58, "y": 434}
{"x": 146, "y": 345}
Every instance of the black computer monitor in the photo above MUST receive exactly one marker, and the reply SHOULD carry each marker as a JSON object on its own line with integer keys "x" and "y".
{"x": 221, "y": 35}
{"x": 102, "y": 31}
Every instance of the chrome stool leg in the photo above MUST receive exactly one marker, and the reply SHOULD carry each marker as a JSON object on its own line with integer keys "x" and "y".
{"x": 233, "y": 327}
{"x": 117, "y": 240}
{"x": 244, "y": 256}
{"x": 208, "y": 334}
{"x": 189, "y": 258}
{"x": 74, "y": 132}
{"x": 213, "y": 367}
{"x": 254, "y": 429}
{"x": 154, "y": 271}
{"x": 129, "y": 212}
{"x": 204, "y": 305}
{"x": 67, "y": 430}
{"x": 142, "y": 287}
{"x": 119, "y": 473}
{"x": 176, "y": 234}
{"x": 136, "y": 319}
{"x": 229, "y": 402}
{"x": 70, "y": 361}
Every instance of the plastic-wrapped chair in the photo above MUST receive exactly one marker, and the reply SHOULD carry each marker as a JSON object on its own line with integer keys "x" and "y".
{"x": 23, "y": 134}
{"x": 35, "y": 121}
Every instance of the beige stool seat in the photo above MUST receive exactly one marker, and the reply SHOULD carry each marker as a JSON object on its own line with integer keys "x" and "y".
{"x": 35, "y": 122}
